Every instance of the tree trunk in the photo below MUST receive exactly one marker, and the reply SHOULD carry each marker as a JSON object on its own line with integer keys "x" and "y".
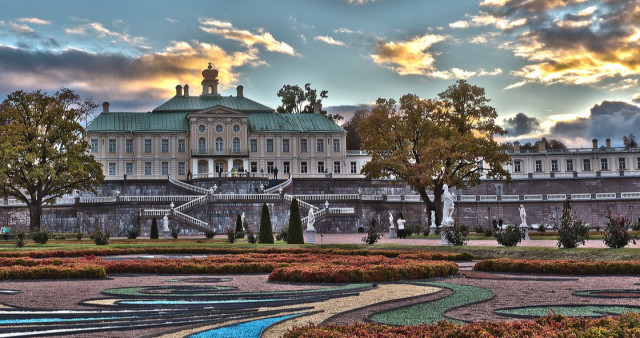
{"x": 437, "y": 201}
{"x": 35, "y": 211}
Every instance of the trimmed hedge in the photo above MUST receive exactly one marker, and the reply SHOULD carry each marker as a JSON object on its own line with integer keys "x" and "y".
{"x": 565, "y": 267}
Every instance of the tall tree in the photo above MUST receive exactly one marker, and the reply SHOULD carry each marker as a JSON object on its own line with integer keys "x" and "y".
{"x": 266, "y": 230}
{"x": 295, "y": 224}
{"x": 630, "y": 141}
{"x": 353, "y": 137}
{"x": 429, "y": 143}
{"x": 43, "y": 154}
{"x": 296, "y": 100}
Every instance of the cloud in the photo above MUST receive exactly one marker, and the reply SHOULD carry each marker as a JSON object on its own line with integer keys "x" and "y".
{"x": 521, "y": 124}
{"x": 347, "y": 110}
{"x": 102, "y": 32}
{"x": 34, "y": 21}
{"x": 329, "y": 40}
{"x": 409, "y": 57}
{"x": 621, "y": 85}
{"x": 23, "y": 30}
{"x": 303, "y": 38}
{"x": 265, "y": 39}
{"x": 170, "y": 20}
{"x": 459, "y": 24}
{"x": 636, "y": 99}
{"x": 494, "y": 72}
{"x": 359, "y": 2}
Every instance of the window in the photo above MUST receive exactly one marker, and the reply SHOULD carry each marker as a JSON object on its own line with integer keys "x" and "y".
{"x": 165, "y": 146}
{"x": 320, "y": 166}
{"x": 517, "y": 166}
{"x": 202, "y": 167}
{"x": 604, "y": 164}
{"x": 147, "y": 168}
{"x": 112, "y": 169}
{"x": 303, "y": 146}
{"x": 303, "y": 167}
{"x": 336, "y": 167}
{"x": 480, "y": 166}
{"x": 320, "y": 145}
{"x": 269, "y": 145}
{"x": 586, "y": 164}
{"x": 286, "y": 167}
{"x": 219, "y": 144}
{"x": 147, "y": 146}
{"x": 569, "y": 165}
{"x": 128, "y": 146}
{"x": 219, "y": 129}
{"x": 182, "y": 146}
{"x": 128, "y": 169}
{"x": 253, "y": 144}
{"x": 254, "y": 167}
{"x": 554, "y": 165}
{"x": 165, "y": 168}
{"x": 202, "y": 128}
{"x": 236, "y": 129}
{"x": 622, "y": 163}
{"x": 202, "y": 145}
{"x": 538, "y": 165}
{"x": 269, "y": 167}
{"x": 285, "y": 145}
{"x": 354, "y": 167}
{"x": 336, "y": 145}
{"x": 182, "y": 166}
{"x": 94, "y": 147}
{"x": 236, "y": 145}
{"x": 637, "y": 162}
{"x": 112, "y": 145}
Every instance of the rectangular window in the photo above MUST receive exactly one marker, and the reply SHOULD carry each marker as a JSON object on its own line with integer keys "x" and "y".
{"x": 336, "y": 167}
{"x": 269, "y": 167}
{"x": 269, "y": 145}
{"x": 128, "y": 146}
{"x": 112, "y": 169}
{"x": 554, "y": 165}
{"x": 517, "y": 166}
{"x": 336, "y": 145}
{"x": 182, "y": 168}
{"x": 354, "y": 167}
{"x": 253, "y": 144}
{"x": 622, "y": 163}
{"x": 147, "y": 146}
{"x": 254, "y": 167}
{"x": 94, "y": 147}
{"x": 569, "y": 165}
{"x": 128, "y": 168}
{"x": 538, "y": 165}
{"x": 147, "y": 168}
{"x": 286, "y": 167}
{"x": 604, "y": 164}
{"x": 320, "y": 145}
{"x": 303, "y": 146}
{"x": 637, "y": 162}
{"x": 165, "y": 168}
{"x": 586, "y": 164}
{"x": 182, "y": 146}
{"x": 112, "y": 145}
{"x": 480, "y": 166}
{"x": 164, "y": 146}
{"x": 320, "y": 167}
{"x": 303, "y": 168}
{"x": 285, "y": 145}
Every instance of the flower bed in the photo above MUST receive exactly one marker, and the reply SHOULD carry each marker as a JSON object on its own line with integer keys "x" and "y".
{"x": 29, "y": 268}
{"x": 568, "y": 267}
{"x": 627, "y": 325}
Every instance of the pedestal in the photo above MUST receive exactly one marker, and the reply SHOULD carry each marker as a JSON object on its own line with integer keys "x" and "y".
{"x": 392, "y": 232}
{"x": 164, "y": 234}
{"x": 310, "y": 235}
{"x": 525, "y": 228}
{"x": 443, "y": 236}
{"x": 432, "y": 230}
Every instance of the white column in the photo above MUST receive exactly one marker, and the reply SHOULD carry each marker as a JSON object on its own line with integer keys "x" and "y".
{"x": 229, "y": 164}
{"x": 210, "y": 167}
{"x": 245, "y": 164}
{"x": 194, "y": 166}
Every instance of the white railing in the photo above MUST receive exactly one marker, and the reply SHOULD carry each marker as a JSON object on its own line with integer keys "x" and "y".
{"x": 412, "y": 198}
{"x": 630, "y": 195}
{"x": 240, "y": 197}
{"x": 155, "y": 212}
{"x": 65, "y": 201}
{"x": 580, "y": 196}
{"x": 190, "y": 220}
{"x": 279, "y": 186}
{"x": 394, "y": 198}
{"x": 342, "y": 210}
{"x": 533, "y": 197}
{"x": 302, "y": 204}
{"x": 510, "y": 197}
{"x": 198, "y": 190}
{"x": 606, "y": 196}
{"x": 193, "y": 202}
{"x": 372, "y": 197}
{"x": 97, "y": 199}
{"x": 467, "y": 198}
{"x": 327, "y": 197}
{"x": 484, "y": 198}
{"x": 556, "y": 197}
{"x": 165, "y": 198}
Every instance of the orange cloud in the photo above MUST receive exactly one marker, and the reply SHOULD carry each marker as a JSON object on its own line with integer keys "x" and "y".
{"x": 245, "y": 37}
{"x": 102, "y": 32}
{"x": 409, "y": 57}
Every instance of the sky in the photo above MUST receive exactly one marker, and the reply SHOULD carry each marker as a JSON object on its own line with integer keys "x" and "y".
{"x": 564, "y": 69}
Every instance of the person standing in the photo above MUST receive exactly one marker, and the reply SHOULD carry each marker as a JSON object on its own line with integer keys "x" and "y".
{"x": 275, "y": 173}
{"x": 401, "y": 232}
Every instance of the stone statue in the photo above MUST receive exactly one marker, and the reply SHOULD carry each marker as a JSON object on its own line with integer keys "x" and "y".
{"x": 311, "y": 220}
{"x": 523, "y": 216}
{"x": 447, "y": 210}
{"x": 242, "y": 219}
{"x": 390, "y": 219}
{"x": 165, "y": 223}
{"x": 433, "y": 219}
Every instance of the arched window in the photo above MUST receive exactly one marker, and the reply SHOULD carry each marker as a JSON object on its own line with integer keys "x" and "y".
{"x": 202, "y": 145}
{"x": 219, "y": 144}
{"x": 236, "y": 145}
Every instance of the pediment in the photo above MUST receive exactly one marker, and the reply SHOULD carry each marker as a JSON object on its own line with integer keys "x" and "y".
{"x": 218, "y": 111}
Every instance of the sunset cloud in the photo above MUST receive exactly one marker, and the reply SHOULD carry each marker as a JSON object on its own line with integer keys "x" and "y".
{"x": 409, "y": 57}
{"x": 227, "y": 31}
{"x": 329, "y": 40}
{"x": 101, "y": 31}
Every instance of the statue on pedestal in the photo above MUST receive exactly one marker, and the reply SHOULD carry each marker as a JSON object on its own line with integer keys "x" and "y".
{"x": 311, "y": 220}
{"x": 242, "y": 219}
{"x": 390, "y": 219}
{"x": 165, "y": 223}
{"x": 447, "y": 209}
{"x": 523, "y": 216}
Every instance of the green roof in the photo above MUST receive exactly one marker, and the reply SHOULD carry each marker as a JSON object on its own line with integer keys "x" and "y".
{"x": 164, "y": 122}
{"x": 139, "y": 122}
{"x": 312, "y": 123}
{"x": 116, "y": 122}
{"x": 261, "y": 122}
{"x": 195, "y": 103}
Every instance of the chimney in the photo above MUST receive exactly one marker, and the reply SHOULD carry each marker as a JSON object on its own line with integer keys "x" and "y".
{"x": 240, "y": 90}
{"x": 516, "y": 147}
{"x": 608, "y": 143}
{"x": 105, "y": 107}
{"x": 317, "y": 107}
{"x": 595, "y": 143}
{"x": 542, "y": 144}
{"x": 178, "y": 90}
{"x": 186, "y": 90}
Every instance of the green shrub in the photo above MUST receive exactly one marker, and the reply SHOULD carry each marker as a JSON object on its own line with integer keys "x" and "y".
{"x": 133, "y": 233}
{"x": 231, "y": 235}
{"x": 239, "y": 234}
{"x": 412, "y": 229}
{"x": 373, "y": 235}
{"x": 59, "y": 236}
{"x": 616, "y": 234}
{"x": 20, "y": 237}
{"x": 510, "y": 236}
{"x": 294, "y": 235}
{"x": 251, "y": 236}
{"x": 283, "y": 233}
{"x": 239, "y": 230}
{"x": 209, "y": 234}
{"x": 457, "y": 234}
{"x": 266, "y": 230}
{"x": 488, "y": 232}
{"x": 100, "y": 237}
{"x": 478, "y": 229}
{"x": 426, "y": 231}
{"x": 571, "y": 231}
{"x": 41, "y": 236}
{"x": 154, "y": 229}
{"x": 79, "y": 235}
{"x": 597, "y": 228}
{"x": 542, "y": 228}
{"x": 635, "y": 226}
{"x": 175, "y": 232}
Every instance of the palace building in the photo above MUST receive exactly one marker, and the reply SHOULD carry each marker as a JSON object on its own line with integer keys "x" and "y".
{"x": 211, "y": 135}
